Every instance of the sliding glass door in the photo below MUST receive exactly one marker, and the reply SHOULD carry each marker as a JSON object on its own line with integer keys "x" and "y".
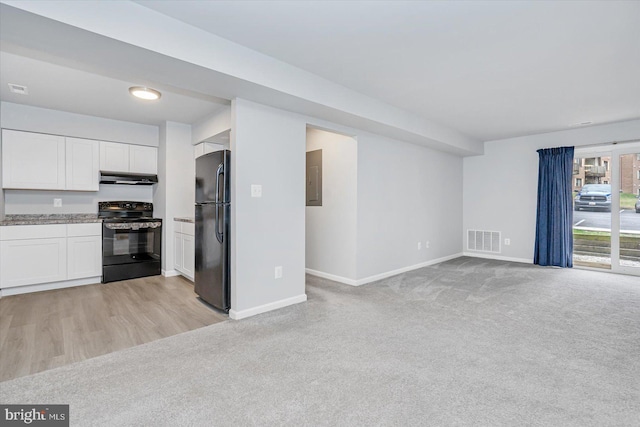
{"x": 606, "y": 225}
{"x": 592, "y": 210}
{"x": 628, "y": 208}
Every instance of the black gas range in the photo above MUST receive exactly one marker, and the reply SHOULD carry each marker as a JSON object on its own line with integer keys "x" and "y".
{"x": 131, "y": 240}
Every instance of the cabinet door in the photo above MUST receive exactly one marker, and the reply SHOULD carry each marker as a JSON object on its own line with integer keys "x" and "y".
{"x": 33, "y": 160}
{"x": 177, "y": 251}
{"x": 198, "y": 150}
{"x": 83, "y": 164}
{"x": 84, "y": 257}
{"x": 28, "y": 262}
{"x": 143, "y": 159}
{"x": 188, "y": 255}
{"x": 114, "y": 157}
{"x": 210, "y": 147}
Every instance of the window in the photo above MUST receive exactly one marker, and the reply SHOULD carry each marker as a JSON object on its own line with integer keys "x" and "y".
{"x": 606, "y": 165}
{"x": 638, "y": 173}
{"x": 605, "y": 182}
{"x": 578, "y": 182}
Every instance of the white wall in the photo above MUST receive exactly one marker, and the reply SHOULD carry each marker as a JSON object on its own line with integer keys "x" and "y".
{"x": 267, "y": 148}
{"x": 500, "y": 187}
{"x": 213, "y": 125}
{"x": 41, "y": 202}
{"x": 34, "y": 119}
{"x": 331, "y": 229}
{"x": 174, "y": 195}
{"x": 406, "y": 194}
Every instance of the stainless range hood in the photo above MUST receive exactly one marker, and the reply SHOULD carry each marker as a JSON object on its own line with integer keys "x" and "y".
{"x": 127, "y": 178}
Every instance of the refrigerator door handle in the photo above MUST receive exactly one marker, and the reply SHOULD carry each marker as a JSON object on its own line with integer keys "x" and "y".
{"x": 219, "y": 235}
{"x": 218, "y": 172}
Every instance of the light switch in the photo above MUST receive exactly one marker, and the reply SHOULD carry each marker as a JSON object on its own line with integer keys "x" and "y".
{"x": 256, "y": 190}
{"x": 57, "y": 203}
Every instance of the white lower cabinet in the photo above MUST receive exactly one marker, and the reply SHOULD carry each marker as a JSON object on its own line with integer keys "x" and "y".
{"x": 28, "y": 262}
{"x": 189, "y": 255}
{"x": 184, "y": 248}
{"x": 84, "y": 250}
{"x": 36, "y": 254}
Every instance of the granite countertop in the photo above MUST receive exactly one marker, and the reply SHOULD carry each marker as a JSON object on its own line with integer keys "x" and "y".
{"x": 185, "y": 219}
{"x": 37, "y": 219}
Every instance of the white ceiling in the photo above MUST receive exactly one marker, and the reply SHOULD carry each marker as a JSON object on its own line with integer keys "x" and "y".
{"x": 489, "y": 69}
{"x": 67, "y": 89}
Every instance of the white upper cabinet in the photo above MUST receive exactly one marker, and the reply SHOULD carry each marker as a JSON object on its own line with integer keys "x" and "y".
{"x": 118, "y": 157}
{"x": 206, "y": 148}
{"x": 114, "y": 157}
{"x": 33, "y": 160}
{"x": 82, "y": 166}
{"x": 143, "y": 159}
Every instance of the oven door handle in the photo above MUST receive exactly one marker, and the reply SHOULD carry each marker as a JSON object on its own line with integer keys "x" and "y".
{"x": 132, "y": 226}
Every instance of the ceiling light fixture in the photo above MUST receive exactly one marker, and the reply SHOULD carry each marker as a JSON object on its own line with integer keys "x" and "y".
{"x": 19, "y": 89}
{"x": 145, "y": 93}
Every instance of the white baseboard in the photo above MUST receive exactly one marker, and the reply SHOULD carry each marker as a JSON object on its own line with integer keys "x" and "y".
{"x": 170, "y": 273}
{"x": 498, "y": 257}
{"x": 49, "y": 286}
{"x": 237, "y": 315}
{"x": 333, "y": 277}
{"x": 381, "y": 276}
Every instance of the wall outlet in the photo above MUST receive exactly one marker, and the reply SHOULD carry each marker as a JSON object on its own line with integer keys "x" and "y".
{"x": 256, "y": 190}
{"x": 278, "y": 272}
{"x": 507, "y": 242}
{"x": 419, "y": 245}
{"x": 426, "y": 244}
{"x": 57, "y": 203}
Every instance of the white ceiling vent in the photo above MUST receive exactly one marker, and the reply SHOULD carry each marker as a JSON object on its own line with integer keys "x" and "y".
{"x": 19, "y": 89}
{"x": 483, "y": 241}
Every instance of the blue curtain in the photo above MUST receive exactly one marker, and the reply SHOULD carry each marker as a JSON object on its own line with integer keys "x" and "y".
{"x": 554, "y": 221}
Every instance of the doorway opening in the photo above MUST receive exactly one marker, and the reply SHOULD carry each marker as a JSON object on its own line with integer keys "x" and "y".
{"x": 331, "y": 205}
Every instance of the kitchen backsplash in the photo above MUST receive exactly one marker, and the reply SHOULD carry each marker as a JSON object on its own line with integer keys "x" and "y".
{"x": 41, "y": 202}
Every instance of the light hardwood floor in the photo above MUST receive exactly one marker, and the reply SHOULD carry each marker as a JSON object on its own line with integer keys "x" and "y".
{"x": 44, "y": 330}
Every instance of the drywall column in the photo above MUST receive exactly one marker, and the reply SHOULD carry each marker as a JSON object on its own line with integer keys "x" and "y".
{"x": 331, "y": 228}
{"x": 174, "y": 195}
{"x": 267, "y": 149}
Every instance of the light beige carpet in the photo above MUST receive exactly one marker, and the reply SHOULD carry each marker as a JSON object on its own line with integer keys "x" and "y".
{"x": 468, "y": 342}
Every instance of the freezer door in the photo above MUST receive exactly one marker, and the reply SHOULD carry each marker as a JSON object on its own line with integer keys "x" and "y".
{"x": 212, "y": 264}
{"x": 208, "y": 168}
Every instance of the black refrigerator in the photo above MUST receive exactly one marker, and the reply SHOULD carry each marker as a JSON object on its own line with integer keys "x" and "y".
{"x": 212, "y": 215}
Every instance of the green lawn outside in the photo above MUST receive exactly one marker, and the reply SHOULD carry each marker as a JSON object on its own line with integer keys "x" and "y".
{"x": 628, "y": 201}
{"x": 589, "y": 233}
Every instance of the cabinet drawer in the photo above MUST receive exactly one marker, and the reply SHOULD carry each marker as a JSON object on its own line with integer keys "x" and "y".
{"x": 18, "y": 232}
{"x": 90, "y": 229}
